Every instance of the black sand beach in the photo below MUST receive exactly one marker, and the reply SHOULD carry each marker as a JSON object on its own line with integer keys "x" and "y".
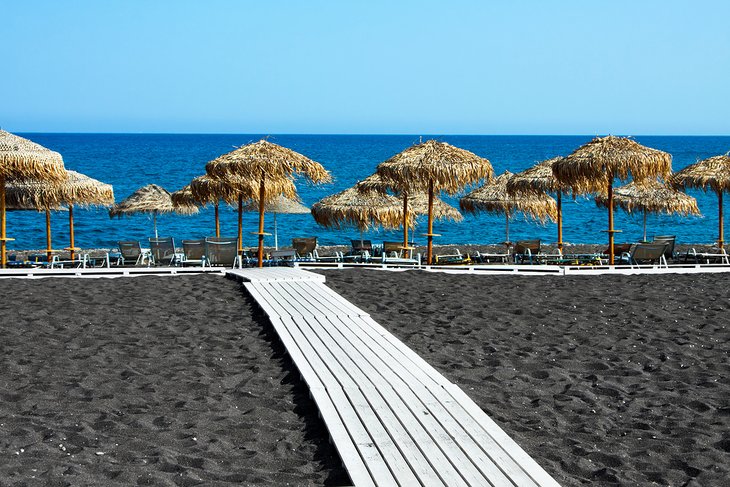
{"x": 180, "y": 381}
{"x": 604, "y": 380}
{"x": 151, "y": 381}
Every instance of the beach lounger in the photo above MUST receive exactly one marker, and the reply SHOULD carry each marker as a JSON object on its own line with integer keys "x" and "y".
{"x": 395, "y": 253}
{"x": 162, "y": 251}
{"x": 132, "y": 253}
{"x": 337, "y": 257}
{"x": 361, "y": 251}
{"x": 647, "y": 253}
{"x": 282, "y": 257}
{"x": 719, "y": 257}
{"x": 526, "y": 251}
{"x": 486, "y": 258}
{"x": 670, "y": 239}
{"x": 65, "y": 262}
{"x": 193, "y": 252}
{"x": 455, "y": 258}
{"x": 222, "y": 251}
{"x": 304, "y": 247}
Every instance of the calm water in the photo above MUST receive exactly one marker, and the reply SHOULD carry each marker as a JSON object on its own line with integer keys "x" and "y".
{"x": 129, "y": 161}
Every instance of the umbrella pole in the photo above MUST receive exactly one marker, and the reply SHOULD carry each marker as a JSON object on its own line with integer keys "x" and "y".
{"x": 560, "y": 222}
{"x": 262, "y": 194}
{"x": 506, "y": 227}
{"x": 217, "y": 222}
{"x": 154, "y": 222}
{"x": 644, "y": 224}
{"x": 71, "y": 230}
{"x": 405, "y": 220}
{"x": 276, "y": 234}
{"x": 240, "y": 224}
{"x": 429, "y": 253}
{"x": 721, "y": 240}
{"x": 3, "y": 235}
{"x": 49, "y": 245}
{"x": 610, "y": 220}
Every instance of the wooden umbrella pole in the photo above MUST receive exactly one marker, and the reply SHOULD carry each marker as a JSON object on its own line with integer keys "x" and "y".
{"x": 262, "y": 194}
{"x": 429, "y": 253}
{"x": 560, "y": 221}
{"x": 721, "y": 240}
{"x": 71, "y": 230}
{"x": 217, "y": 221}
{"x": 240, "y": 224}
{"x": 49, "y": 244}
{"x": 610, "y": 220}
{"x": 405, "y": 220}
{"x": 3, "y": 234}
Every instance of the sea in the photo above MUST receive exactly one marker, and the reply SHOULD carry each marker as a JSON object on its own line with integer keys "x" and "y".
{"x": 130, "y": 161}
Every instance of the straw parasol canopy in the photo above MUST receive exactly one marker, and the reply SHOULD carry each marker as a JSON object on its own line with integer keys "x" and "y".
{"x": 539, "y": 179}
{"x": 150, "y": 199}
{"x": 592, "y": 167}
{"x": 269, "y": 166}
{"x": 358, "y": 209}
{"x": 416, "y": 202}
{"x": 712, "y": 173}
{"x": 650, "y": 196}
{"x": 434, "y": 166}
{"x": 76, "y": 190}
{"x": 281, "y": 204}
{"x": 493, "y": 197}
{"x": 22, "y": 159}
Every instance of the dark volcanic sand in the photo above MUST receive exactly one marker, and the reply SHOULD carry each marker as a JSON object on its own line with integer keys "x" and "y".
{"x": 151, "y": 380}
{"x": 607, "y": 380}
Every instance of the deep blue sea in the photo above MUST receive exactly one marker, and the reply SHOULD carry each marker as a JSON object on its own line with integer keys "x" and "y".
{"x": 130, "y": 161}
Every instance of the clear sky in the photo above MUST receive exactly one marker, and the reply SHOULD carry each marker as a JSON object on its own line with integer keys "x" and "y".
{"x": 408, "y": 67}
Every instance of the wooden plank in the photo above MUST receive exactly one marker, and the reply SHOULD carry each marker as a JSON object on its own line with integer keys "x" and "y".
{"x": 267, "y": 303}
{"x": 417, "y": 444}
{"x": 485, "y": 433}
{"x": 453, "y": 440}
{"x": 360, "y": 436}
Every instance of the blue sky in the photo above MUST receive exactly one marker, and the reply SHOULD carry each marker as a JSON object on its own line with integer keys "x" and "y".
{"x": 408, "y": 67}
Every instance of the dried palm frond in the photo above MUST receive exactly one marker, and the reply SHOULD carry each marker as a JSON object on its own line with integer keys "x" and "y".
{"x": 712, "y": 173}
{"x": 208, "y": 189}
{"x": 447, "y": 167}
{"x": 280, "y": 205}
{"x": 77, "y": 189}
{"x": 538, "y": 179}
{"x": 270, "y": 160}
{"x": 362, "y": 210}
{"x": 150, "y": 199}
{"x": 22, "y": 159}
{"x": 588, "y": 168}
{"x": 651, "y": 196}
{"x": 494, "y": 198}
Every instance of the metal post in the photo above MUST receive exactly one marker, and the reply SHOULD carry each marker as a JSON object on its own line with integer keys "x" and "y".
{"x": 429, "y": 253}
{"x": 721, "y": 240}
{"x": 240, "y": 224}
{"x": 71, "y": 230}
{"x": 262, "y": 194}
{"x": 217, "y": 221}
{"x": 405, "y": 220}
{"x": 560, "y": 221}
{"x": 610, "y": 220}
{"x": 49, "y": 244}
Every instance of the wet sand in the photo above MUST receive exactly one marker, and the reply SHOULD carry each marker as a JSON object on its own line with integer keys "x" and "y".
{"x": 604, "y": 380}
{"x": 151, "y": 381}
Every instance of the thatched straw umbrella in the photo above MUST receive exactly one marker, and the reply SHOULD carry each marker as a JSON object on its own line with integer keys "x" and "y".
{"x": 150, "y": 199}
{"x": 539, "y": 179}
{"x": 77, "y": 190}
{"x": 282, "y": 204}
{"x": 234, "y": 189}
{"x": 494, "y": 198}
{"x": 22, "y": 159}
{"x": 650, "y": 196}
{"x": 268, "y": 165}
{"x": 417, "y": 202}
{"x": 712, "y": 173}
{"x": 359, "y": 209}
{"x": 592, "y": 168}
{"x": 434, "y": 166}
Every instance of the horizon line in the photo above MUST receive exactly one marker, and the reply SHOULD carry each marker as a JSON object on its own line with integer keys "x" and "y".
{"x": 369, "y": 134}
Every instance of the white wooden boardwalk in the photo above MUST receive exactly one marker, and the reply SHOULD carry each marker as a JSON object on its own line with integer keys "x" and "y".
{"x": 393, "y": 418}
